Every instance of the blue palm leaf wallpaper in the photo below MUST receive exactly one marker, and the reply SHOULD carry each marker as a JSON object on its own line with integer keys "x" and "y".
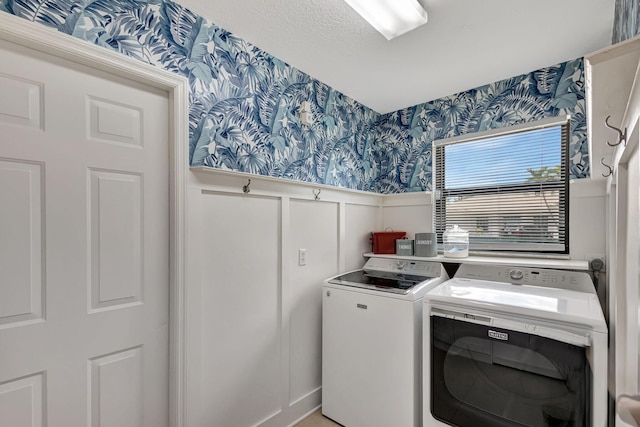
{"x": 626, "y": 20}
{"x": 245, "y": 103}
{"x": 405, "y": 163}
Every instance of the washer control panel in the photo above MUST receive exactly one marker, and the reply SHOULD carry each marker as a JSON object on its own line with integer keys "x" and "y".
{"x": 406, "y": 266}
{"x": 516, "y": 274}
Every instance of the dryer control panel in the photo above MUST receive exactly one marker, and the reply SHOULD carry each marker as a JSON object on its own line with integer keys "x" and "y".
{"x": 573, "y": 280}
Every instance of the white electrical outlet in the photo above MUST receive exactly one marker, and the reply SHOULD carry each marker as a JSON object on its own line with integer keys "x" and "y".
{"x": 302, "y": 257}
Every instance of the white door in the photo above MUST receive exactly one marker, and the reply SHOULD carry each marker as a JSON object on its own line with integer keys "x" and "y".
{"x": 83, "y": 246}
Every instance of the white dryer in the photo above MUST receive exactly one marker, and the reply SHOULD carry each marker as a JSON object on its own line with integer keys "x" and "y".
{"x": 372, "y": 342}
{"x": 507, "y": 346}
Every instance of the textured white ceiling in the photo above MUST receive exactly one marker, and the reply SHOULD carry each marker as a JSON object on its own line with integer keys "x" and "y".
{"x": 465, "y": 44}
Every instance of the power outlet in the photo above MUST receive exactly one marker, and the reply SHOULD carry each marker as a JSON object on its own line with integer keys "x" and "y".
{"x": 302, "y": 257}
{"x": 591, "y": 257}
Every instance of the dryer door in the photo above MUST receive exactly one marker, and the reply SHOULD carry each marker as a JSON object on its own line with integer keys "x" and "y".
{"x": 487, "y": 376}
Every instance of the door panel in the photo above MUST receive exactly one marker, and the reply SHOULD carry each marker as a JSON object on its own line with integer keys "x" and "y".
{"x": 21, "y": 401}
{"x": 21, "y": 248}
{"x": 22, "y": 102}
{"x": 115, "y": 238}
{"x": 83, "y": 246}
{"x": 115, "y": 389}
{"x": 114, "y": 123}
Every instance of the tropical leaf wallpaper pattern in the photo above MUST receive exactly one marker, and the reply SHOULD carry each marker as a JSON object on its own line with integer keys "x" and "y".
{"x": 549, "y": 92}
{"x": 244, "y": 103}
{"x": 626, "y": 20}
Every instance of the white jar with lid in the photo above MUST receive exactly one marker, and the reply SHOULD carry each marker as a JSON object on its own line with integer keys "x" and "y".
{"x": 456, "y": 242}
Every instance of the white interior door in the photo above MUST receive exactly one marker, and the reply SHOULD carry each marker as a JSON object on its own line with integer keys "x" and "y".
{"x": 83, "y": 246}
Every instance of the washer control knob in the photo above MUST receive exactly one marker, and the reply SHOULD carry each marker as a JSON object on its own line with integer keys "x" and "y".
{"x": 516, "y": 274}
{"x": 400, "y": 265}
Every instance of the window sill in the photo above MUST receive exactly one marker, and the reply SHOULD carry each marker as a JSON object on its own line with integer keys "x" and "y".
{"x": 553, "y": 263}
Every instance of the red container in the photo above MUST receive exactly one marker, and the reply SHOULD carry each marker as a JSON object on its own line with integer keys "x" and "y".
{"x": 384, "y": 242}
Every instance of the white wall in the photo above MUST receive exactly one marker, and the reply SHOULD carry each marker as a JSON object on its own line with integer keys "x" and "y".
{"x": 587, "y": 218}
{"x": 240, "y": 308}
{"x": 360, "y": 221}
{"x": 313, "y": 227}
{"x": 588, "y": 226}
{"x": 412, "y": 212}
{"x": 255, "y": 314}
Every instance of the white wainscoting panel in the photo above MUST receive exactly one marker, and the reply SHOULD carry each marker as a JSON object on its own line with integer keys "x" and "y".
{"x": 587, "y": 213}
{"x": 361, "y": 221}
{"x": 241, "y": 326}
{"x": 314, "y": 228}
{"x": 21, "y": 195}
{"x": 257, "y": 313}
{"x": 410, "y": 212}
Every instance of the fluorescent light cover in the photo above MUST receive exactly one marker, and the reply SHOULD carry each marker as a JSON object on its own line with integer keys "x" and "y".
{"x": 391, "y": 18}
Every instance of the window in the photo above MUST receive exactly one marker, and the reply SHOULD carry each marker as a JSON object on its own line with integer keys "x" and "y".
{"x": 482, "y": 225}
{"x": 508, "y": 187}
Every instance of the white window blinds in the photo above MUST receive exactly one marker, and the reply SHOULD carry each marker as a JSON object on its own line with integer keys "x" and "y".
{"x": 509, "y": 188}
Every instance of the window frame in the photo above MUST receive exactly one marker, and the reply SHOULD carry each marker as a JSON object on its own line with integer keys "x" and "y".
{"x": 440, "y": 193}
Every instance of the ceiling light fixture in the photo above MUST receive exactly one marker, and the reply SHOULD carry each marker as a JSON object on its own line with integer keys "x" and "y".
{"x": 391, "y": 18}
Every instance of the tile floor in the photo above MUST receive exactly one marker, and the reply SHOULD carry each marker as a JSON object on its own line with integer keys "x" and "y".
{"x": 317, "y": 420}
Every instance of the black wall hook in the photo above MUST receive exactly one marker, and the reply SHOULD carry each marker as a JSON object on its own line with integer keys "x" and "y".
{"x": 606, "y": 166}
{"x": 622, "y": 136}
{"x": 246, "y": 189}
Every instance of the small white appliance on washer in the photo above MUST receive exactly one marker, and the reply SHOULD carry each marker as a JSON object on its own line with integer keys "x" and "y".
{"x": 372, "y": 342}
{"x": 507, "y": 346}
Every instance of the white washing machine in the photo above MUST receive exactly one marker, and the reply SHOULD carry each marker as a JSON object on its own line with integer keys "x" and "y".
{"x": 507, "y": 346}
{"x": 372, "y": 342}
